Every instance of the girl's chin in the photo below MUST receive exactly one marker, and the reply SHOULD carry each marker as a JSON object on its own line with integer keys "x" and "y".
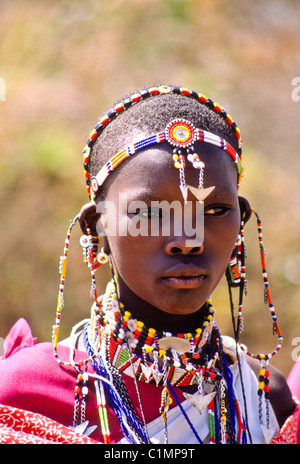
{"x": 181, "y": 308}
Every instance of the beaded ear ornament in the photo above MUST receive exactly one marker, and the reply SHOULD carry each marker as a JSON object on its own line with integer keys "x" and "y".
{"x": 236, "y": 277}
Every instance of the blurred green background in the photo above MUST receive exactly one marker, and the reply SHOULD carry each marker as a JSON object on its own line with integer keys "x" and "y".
{"x": 64, "y": 62}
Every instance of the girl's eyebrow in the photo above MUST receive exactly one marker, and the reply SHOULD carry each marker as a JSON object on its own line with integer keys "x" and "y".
{"x": 147, "y": 195}
{"x": 144, "y": 195}
{"x": 223, "y": 191}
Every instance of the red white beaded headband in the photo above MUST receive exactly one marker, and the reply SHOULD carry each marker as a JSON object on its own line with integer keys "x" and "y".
{"x": 184, "y": 140}
{"x": 180, "y": 134}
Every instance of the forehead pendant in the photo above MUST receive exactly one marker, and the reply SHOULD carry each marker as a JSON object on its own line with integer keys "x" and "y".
{"x": 182, "y": 135}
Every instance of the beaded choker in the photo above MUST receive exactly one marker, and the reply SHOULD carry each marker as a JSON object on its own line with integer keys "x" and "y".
{"x": 140, "y": 351}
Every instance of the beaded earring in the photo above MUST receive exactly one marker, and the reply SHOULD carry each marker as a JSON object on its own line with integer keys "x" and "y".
{"x": 236, "y": 277}
{"x": 91, "y": 256}
{"x": 94, "y": 260}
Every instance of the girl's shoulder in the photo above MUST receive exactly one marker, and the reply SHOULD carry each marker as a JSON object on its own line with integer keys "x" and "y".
{"x": 29, "y": 372}
{"x": 280, "y": 395}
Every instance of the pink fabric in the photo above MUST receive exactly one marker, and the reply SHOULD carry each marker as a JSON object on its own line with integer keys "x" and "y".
{"x": 32, "y": 380}
{"x": 293, "y": 381}
{"x": 19, "y": 337}
{"x": 288, "y": 432}
{"x": 37, "y": 392}
{"x": 298, "y": 428}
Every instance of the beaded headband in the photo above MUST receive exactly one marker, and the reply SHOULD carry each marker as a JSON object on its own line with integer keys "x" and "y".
{"x": 150, "y": 93}
{"x": 181, "y": 134}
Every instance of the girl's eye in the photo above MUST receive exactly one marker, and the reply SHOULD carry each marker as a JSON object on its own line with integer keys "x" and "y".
{"x": 149, "y": 213}
{"x": 216, "y": 210}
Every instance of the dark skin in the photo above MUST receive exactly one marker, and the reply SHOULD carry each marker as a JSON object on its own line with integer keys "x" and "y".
{"x": 164, "y": 280}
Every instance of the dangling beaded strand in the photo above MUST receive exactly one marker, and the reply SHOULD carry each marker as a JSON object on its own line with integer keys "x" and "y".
{"x": 102, "y": 410}
{"x": 276, "y": 328}
{"x": 236, "y": 277}
{"x": 60, "y": 303}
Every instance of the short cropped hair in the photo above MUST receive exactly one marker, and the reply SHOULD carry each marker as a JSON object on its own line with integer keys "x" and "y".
{"x": 152, "y": 115}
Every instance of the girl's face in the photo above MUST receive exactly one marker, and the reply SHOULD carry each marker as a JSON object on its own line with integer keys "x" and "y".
{"x": 174, "y": 272}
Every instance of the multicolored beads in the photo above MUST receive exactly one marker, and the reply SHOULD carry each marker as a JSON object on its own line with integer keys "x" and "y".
{"x": 60, "y": 303}
{"x": 147, "y": 345}
{"x": 181, "y": 134}
{"x": 268, "y": 300}
{"x": 80, "y": 392}
{"x": 136, "y": 97}
{"x": 102, "y": 410}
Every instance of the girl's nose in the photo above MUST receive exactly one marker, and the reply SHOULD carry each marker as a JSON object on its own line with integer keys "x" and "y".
{"x": 179, "y": 245}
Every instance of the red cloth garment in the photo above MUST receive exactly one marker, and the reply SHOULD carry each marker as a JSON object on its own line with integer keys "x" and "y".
{"x": 24, "y": 427}
{"x": 288, "y": 432}
{"x": 32, "y": 380}
{"x": 37, "y": 396}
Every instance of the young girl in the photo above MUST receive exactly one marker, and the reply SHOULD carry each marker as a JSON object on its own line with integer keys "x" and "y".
{"x": 162, "y": 168}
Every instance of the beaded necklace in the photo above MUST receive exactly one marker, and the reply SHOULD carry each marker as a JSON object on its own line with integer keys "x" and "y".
{"x": 148, "y": 346}
{"x": 119, "y": 344}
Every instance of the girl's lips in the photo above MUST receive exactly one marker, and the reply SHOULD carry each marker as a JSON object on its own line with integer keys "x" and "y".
{"x": 184, "y": 282}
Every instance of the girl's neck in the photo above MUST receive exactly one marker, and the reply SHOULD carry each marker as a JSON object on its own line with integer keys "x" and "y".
{"x": 156, "y": 318}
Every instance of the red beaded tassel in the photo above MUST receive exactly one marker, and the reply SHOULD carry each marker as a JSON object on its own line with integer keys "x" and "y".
{"x": 80, "y": 393}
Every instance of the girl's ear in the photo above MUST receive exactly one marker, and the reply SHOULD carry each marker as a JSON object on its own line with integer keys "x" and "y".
{"x": 245, "y": 209}
{"x": 88, "y": 217}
